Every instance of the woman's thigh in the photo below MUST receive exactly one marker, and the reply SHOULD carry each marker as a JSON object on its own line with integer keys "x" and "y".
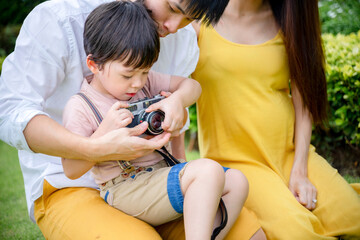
{"x": 279, "y": 213}
{"x": 80, "y": 213}
{"x": 338, "y": 204}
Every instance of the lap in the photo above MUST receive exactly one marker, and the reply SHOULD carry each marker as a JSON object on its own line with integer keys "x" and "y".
{"x": 337, "y": 210}
{"x": 80, "y": 213}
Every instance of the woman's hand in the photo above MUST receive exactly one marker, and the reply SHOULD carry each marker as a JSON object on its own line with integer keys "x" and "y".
{"x": 303, "y": 190}
{"x": 174, "y": 113}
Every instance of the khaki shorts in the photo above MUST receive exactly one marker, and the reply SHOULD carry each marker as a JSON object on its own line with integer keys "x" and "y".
{"x": 152, "y": 194}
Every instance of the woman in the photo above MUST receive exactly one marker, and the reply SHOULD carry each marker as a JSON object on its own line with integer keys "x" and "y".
{"x": 261, "y": 69}
{"x": 46, "y": 68}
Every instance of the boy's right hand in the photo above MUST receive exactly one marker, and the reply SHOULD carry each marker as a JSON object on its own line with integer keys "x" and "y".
{"x": 117, "y": 117}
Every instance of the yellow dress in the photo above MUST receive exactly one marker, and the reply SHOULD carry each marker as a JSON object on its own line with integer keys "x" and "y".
{"x": 246, "y": 121}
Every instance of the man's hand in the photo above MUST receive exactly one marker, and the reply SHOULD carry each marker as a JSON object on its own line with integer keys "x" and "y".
{"x": 125, "y": 144}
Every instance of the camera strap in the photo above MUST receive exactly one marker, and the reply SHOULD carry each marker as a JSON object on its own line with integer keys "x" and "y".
{"x": 224, "y": 219}
{"x": 126, "y": 166}
{"x": 170, "y": 159}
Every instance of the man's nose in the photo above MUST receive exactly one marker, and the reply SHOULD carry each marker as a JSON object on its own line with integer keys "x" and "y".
{"x": 173, "y": 24}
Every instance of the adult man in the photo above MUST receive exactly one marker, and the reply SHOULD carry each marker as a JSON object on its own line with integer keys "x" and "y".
{"x": 46, "y": 68}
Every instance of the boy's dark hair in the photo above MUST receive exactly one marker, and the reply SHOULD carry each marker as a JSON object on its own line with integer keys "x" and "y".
{"x": 124, "y": 31}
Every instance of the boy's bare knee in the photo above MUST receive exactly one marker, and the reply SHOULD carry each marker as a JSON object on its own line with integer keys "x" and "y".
{"x": 235, "y": 176}
{"x": 206, "y": 169}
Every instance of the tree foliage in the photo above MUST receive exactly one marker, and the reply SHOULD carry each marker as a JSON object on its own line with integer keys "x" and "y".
{"x": 339, "y": 16}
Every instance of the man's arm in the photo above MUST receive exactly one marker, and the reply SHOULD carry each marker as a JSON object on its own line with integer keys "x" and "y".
{"x": 44, "y": 135}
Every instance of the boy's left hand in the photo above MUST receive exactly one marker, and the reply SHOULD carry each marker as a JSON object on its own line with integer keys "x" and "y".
{"x": 174, "y": 113}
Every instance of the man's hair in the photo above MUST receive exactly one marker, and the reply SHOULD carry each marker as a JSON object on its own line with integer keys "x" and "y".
{"x": 209, "y": 11}
{"x": 124, "y": 31}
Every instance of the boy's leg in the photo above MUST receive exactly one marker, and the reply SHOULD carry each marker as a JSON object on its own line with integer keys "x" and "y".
{"x": 202, "y": 184}
{"x": 234, "y": 195}
{"x": 245, "y": 227}
{"x": 80, "y": 213}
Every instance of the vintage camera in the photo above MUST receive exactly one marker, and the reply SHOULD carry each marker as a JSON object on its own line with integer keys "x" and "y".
{"x": 154, "y": 118}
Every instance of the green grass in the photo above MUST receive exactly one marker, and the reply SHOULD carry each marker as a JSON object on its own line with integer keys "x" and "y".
{"x": 14, "y": 219}
{"x": 15, "y": 223}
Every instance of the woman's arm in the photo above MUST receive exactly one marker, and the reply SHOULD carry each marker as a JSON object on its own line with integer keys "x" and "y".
{"x": 299, "y": 184}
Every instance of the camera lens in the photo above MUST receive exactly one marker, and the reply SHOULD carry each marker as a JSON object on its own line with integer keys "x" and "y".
{"x": 154, "y": 120}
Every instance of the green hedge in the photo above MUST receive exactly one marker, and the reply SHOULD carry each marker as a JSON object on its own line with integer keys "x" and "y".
{"x": 343, "y": 77}
{"x": 1, "y": 62}
{"x": 340, "y": 143}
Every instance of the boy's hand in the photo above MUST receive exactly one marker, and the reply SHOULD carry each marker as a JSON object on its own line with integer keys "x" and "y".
{"x": 116, "y": 117}
{"x": 174, "y": 113}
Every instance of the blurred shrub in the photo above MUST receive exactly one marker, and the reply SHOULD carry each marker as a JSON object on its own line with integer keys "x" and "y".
{"x": 343, "y": 78}
{"x": 1, "y": 62}
{"x": 8, "y": 35}
{"x": 341, "y": 142}
{"x": 338, "y": 16}
{"x": 193, "y": 118}
{"x": 12, "y": 15}
{"x": 14, "y": 12}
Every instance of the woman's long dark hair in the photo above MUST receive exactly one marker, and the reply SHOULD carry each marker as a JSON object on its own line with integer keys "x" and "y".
{"x": 300, "y": 24}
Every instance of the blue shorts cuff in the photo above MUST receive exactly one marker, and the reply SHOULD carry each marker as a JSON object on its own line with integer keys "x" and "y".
{"x": 173, "y": 188}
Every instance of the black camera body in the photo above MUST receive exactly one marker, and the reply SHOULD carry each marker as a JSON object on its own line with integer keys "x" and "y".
{"x": 154, "y": 119}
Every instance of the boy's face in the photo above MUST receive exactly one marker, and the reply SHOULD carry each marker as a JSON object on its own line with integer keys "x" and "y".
{"x": 168, "y": 14}
{"x": 118, "y": 81}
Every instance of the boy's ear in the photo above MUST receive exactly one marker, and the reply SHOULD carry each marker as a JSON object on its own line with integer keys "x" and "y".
{"x": 92, "y": 65}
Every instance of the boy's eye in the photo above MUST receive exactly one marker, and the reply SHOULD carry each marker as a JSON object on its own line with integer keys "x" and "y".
{"x": 126, "y": 77}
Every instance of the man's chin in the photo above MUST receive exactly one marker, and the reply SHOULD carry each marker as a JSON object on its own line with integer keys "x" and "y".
{"x": 163, "y": 34}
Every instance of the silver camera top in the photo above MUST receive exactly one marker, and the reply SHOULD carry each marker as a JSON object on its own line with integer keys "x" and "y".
{"x": 144, "y": 103}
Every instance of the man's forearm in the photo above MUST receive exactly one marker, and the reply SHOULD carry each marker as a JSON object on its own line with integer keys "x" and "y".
{"x": 46, "y": 136}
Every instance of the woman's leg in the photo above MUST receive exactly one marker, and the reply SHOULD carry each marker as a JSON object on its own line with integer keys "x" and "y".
{"x": 80, "y": 213}
{"x": 338, "y": 204}
{"x": 279, "y": 213}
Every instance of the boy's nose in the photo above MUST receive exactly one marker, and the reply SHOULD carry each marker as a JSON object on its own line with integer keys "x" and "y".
{"x": 136, "y": 83}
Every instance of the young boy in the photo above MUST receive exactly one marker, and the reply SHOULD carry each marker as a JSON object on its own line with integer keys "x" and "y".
{"x": 122, "y": 43}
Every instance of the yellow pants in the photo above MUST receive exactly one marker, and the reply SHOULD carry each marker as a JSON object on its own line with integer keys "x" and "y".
{"x": 283, "y": 218}
{"x": 80, "y": 213}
